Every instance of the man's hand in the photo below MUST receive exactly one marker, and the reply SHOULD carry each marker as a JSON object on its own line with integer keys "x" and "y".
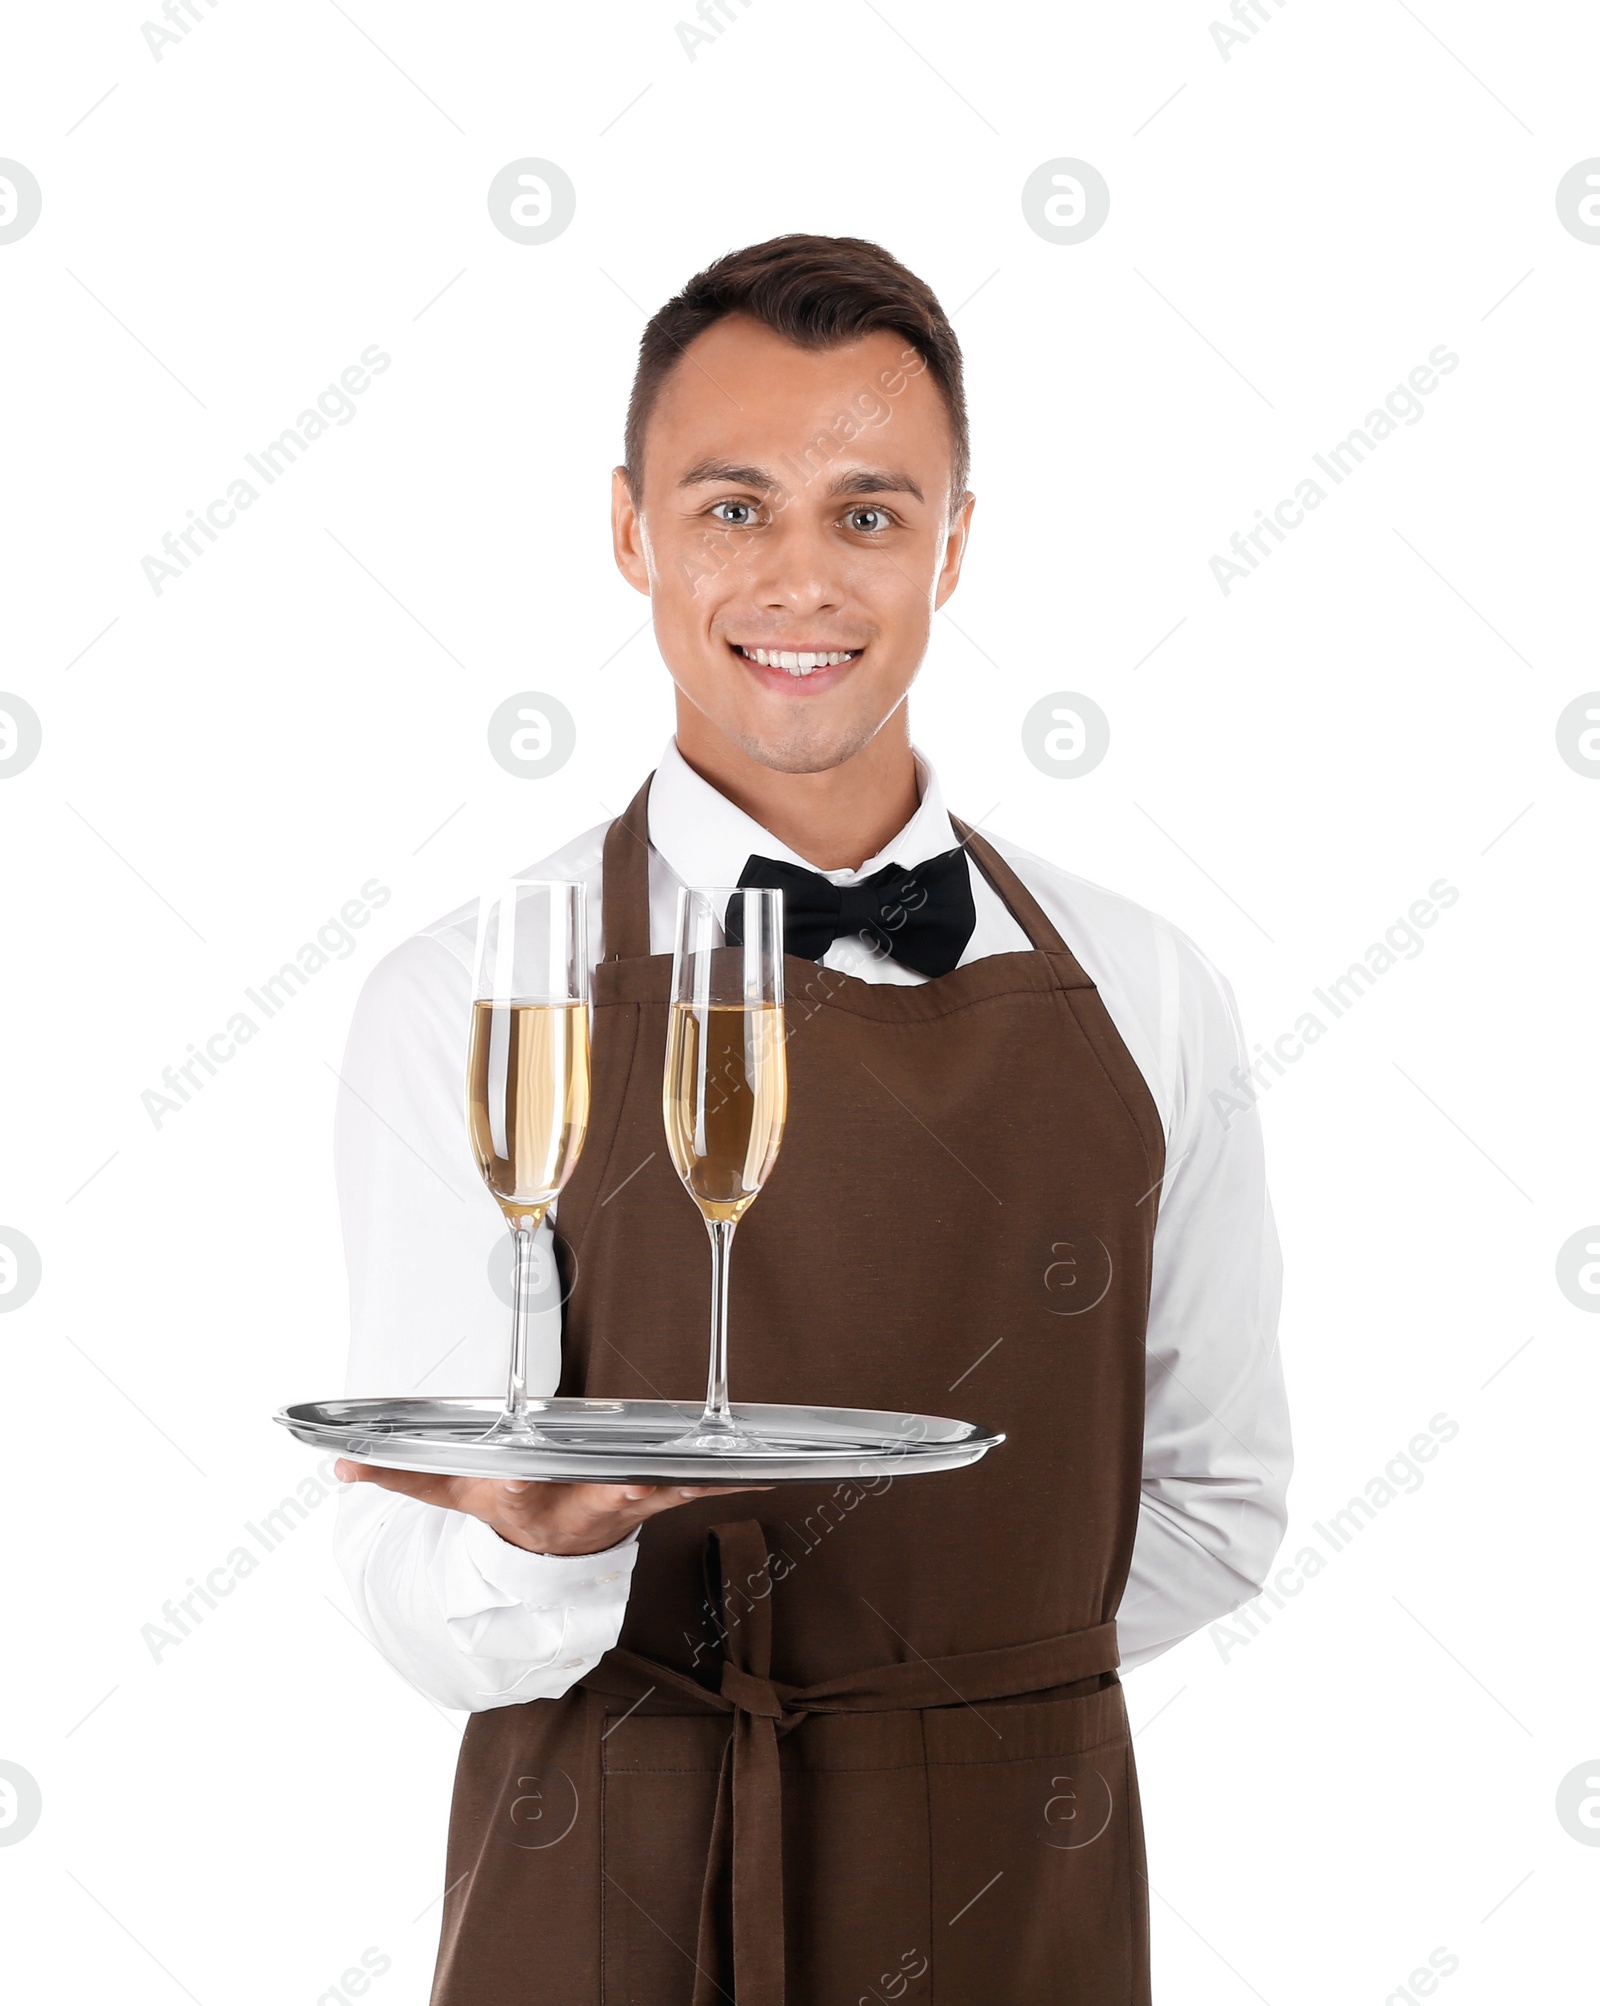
{"x": 537, "y": 1516}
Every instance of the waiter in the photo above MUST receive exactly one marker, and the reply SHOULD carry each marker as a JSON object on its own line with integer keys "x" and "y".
{"x": 830, "y": 1742}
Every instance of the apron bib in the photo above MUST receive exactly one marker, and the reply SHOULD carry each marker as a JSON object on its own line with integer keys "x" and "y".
{"x": 859, "y": 1739}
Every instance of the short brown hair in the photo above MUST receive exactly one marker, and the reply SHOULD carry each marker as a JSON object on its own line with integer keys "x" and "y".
{"x": 818, "y": 292}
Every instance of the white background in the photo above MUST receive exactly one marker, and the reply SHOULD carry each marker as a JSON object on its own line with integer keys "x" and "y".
{"x": 1373, "y": 1776}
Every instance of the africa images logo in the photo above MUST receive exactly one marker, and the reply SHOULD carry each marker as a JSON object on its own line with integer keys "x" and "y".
{"x": 334, "y": 406}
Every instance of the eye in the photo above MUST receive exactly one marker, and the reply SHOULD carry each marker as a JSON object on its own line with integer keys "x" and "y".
{"x": 735, "y": 521}
{"x": 869, "y": 521}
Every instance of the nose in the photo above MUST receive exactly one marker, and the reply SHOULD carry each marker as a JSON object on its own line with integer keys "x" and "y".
{"x": 799, "y": 568}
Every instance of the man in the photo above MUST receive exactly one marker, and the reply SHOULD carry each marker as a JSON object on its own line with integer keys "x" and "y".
{"x": 827, "y": 1742}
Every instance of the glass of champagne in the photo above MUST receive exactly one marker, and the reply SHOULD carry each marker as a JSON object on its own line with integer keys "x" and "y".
{"x": 724, "y": 1096}
{"x": 528, "y": 1082}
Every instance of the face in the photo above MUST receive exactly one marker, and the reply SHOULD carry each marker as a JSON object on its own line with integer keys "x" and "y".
{"x": 795, "y": 535}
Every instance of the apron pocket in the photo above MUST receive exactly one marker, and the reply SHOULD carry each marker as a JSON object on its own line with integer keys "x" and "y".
{"x": 1038, "y": 1858}
{"x": 855, "y": 1861}
{"x": 658, "y": 1795}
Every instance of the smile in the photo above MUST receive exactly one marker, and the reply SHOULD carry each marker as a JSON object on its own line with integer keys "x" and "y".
{"x": 797, "y": 661}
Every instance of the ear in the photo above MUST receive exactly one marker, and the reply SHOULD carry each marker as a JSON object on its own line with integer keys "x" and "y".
{"x": 627, "y": 534}
{"x": 955, "y": 548}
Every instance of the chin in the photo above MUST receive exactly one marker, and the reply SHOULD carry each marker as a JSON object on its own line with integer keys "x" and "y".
{"x": 804, "y": 751}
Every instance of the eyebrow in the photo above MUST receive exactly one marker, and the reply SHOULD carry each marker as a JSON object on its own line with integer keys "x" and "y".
{"x": 864, "y": 481}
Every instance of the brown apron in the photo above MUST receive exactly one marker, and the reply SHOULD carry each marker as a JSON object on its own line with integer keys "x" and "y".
{"x": 859, "y": 1740}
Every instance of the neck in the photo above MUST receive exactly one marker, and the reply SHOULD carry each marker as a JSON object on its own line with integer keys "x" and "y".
{"x": 835, "y": 819}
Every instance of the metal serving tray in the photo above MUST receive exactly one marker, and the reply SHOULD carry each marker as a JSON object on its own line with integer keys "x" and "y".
{"x": 619, "y": 1441}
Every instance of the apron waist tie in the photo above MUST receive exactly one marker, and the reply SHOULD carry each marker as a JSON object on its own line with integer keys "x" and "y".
{"x": 747, "y": 1831}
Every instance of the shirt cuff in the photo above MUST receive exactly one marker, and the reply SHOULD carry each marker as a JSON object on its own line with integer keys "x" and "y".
{"x": 544, "y": 1580}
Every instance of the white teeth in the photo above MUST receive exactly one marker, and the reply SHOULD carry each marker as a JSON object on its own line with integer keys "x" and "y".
{"x": 802, "y": 664}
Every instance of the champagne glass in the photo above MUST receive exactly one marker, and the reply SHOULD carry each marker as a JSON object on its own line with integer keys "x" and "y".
{"x": 724, "y": 1096}
{"x": 528, "y": 1082}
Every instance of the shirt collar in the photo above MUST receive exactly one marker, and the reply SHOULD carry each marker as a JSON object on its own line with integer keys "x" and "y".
{"x": 706, "y": 840}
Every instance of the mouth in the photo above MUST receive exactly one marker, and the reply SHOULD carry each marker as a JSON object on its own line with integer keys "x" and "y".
{"x": 798, "y": 664}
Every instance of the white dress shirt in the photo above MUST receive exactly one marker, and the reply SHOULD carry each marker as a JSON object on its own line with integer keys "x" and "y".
{"x": 476, "y": 1622}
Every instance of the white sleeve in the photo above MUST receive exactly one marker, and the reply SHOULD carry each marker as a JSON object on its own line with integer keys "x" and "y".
{"x": 1217, "y": 1451}
{"x": 468, "y": 1618}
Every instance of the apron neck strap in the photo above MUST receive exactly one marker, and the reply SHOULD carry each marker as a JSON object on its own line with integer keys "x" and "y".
{"x": 625, "y": 882}
{"x": 1024, "y": 908}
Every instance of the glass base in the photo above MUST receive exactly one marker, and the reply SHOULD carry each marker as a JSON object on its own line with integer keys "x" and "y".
{"x": 517, "y": 1428}
{"x": 713, "y": 1437}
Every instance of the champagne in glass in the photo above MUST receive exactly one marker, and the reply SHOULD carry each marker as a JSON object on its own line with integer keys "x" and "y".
{"x": 725, "y": 1095}
{"x": 528, "y": 1081}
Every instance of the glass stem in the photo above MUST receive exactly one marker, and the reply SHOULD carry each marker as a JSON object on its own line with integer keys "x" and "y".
{"x": 717, "y": 1414}
{"x": 522, "y": 1237}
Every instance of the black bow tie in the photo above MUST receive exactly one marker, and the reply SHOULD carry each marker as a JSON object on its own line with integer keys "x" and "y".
{"x": 922, "y": 917}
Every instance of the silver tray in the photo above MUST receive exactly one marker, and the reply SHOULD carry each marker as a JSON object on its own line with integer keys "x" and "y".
{"x": 619, "y": 1441}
